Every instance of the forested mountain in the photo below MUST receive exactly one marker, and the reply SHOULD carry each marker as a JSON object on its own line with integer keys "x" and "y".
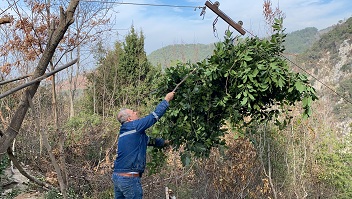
{"x": 168, "y": 55}
{"x": 300, "y": 40}
{"x": 296, "y": 42}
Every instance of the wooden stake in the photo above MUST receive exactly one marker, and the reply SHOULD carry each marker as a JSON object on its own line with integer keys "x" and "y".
{"x": 167, "y": 193}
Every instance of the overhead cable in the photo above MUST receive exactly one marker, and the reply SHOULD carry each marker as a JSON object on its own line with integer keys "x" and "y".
{"x": 200, "y": 7}
{"x": 144, "y": 4}
{"x": 316, "y": 79}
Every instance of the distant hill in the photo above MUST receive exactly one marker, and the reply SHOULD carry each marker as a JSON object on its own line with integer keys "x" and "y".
{"x": 300, "y": 40}
{"x": 168, "y": 55}
{"x": 296, "y": 42}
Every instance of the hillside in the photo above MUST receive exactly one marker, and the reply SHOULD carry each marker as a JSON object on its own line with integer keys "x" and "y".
{"x": 180, "y": 52}
{"x": 300, "y": 40}
{"x": 296, "y": 42}
{"x": 308, "y": 159}
{"x": 329, "y": 59}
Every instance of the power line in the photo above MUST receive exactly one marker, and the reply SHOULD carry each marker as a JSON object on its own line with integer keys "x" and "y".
{"x": 145, "y": 4}
{"x": 316, "y": 79}
{"x": 195, "y": 7}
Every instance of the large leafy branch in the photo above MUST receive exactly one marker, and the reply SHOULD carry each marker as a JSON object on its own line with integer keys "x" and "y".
{"x": 244, "y": 78}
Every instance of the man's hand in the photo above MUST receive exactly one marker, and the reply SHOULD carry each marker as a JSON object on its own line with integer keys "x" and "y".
{"x": 169, "y": 96}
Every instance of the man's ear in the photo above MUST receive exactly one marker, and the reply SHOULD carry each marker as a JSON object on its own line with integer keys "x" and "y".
{"x": 129, "y": 119}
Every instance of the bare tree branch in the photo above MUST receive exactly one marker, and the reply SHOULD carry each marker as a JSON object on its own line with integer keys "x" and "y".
{"x": 38, "y": 79}
{"x": 23, "y": 172}
{"x": 12, "y": 80}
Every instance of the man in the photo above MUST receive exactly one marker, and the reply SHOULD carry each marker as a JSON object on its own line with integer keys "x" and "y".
{"x": 132, "y": 146}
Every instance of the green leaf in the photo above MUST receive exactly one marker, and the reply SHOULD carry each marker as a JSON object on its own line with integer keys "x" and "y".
{"x": 251, "y": 96}
{"x": 273, "y": 66}
{"x": 244, "y": 101}
{"x": 239, "y": 95}
{"x": 300, "y": 87}
{"x": 247, "y": 58}
{"x": 186, "y": 160}
{"x": 255, "y": 72}
{"x": 290, "y": 89}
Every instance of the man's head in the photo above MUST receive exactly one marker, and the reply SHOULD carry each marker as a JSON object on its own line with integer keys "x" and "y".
{"x": 127, "y": 115}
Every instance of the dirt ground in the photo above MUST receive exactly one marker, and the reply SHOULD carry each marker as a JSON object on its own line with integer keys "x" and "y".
{"x": 34, "y": 195}
{"x": 14, "y": 181}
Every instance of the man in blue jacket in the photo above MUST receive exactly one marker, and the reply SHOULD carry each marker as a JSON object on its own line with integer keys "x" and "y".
{"x": 132, "y": 147}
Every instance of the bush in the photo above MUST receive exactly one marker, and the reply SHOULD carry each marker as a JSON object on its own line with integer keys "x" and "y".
{"x": 4, "y": 163}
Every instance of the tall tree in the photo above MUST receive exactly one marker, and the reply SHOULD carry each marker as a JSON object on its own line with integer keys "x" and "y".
{"x": 124, "y": 76}
{"x": 136, "y": 69}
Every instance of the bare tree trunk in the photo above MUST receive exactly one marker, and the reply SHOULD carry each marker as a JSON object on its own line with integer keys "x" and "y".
{"x": 62, "y": 165}
{"x": 269, "y": 172}
{"x": 264, "y": 147}
{"x": 94, "y": 96}
{"x": 60, "y": 176}
{"x": 73, "y": 78}
{"x": 72, "y": 75}
{"x": 54, "y": 100}
{"x": 12, "y": 150}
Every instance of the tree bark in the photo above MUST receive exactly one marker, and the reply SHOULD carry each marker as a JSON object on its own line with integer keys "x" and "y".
{"x": 66, "y": 19}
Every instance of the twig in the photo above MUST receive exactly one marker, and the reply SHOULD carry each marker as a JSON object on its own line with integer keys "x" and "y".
{"x": 184, "y": 79}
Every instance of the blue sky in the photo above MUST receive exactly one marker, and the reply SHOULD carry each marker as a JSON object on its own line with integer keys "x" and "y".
{"x": 164, "y": 26}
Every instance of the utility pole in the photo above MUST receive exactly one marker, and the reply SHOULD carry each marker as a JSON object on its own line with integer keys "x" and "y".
{"x": 215, "y": 8}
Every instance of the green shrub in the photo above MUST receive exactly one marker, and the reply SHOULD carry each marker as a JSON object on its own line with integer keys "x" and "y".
{"x": 15, "y": 192}
{"x": 4, "y": 162}
{"x": 335, "y": 158}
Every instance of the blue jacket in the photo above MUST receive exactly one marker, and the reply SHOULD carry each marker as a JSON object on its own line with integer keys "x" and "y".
{"x": 133, "y": 141}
